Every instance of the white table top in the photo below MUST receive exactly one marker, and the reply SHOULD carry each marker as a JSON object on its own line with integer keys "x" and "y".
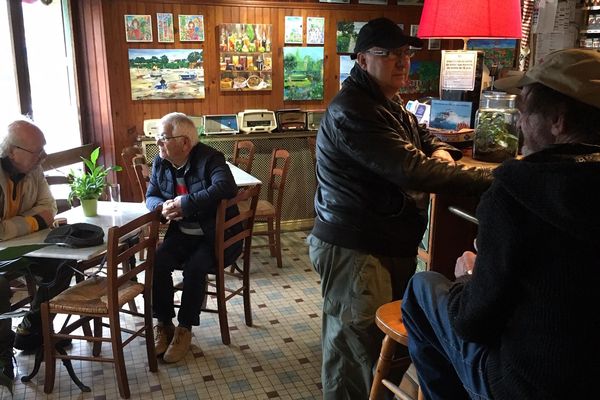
{"x": 241, "y": 177}
{"x": 106, "y": 219}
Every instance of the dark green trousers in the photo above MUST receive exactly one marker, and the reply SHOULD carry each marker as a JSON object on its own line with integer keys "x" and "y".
{"x": 353, "y": 285}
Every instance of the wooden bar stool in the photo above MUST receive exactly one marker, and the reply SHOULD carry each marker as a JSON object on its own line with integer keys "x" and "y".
{"x": 389, "y": 319}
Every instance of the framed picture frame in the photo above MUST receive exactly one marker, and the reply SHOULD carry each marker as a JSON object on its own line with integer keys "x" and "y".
{"x": 303, "y": 73}
{"x": 293, "y": 30}
{"x": 413, "y": 32}
{"x": 434, "y": 44}
{"x": 346, "y": 35}
{"x": 315, "y": 30}
{"x": 164, "y": 27}
{"x": 138, "y": 28}
{"x": 191, "y": 28}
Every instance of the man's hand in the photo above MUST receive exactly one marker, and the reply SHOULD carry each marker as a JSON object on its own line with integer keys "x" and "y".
{"x": 465, "y": 264}
{"x": 172, "y": 209}
{"x": 443, "y": 155}
{"x": 47, "y": 216}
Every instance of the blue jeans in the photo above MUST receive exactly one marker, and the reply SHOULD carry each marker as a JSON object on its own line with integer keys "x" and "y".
{"x": 448, "y": 366}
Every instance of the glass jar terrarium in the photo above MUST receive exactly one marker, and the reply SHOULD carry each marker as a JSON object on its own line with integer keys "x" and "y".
{"x": 496, "y": 134}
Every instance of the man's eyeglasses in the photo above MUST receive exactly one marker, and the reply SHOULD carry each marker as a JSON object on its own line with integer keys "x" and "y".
{"x": 39, "y": 153}
{"x": 392, "y": 54}
{"x": 164, "y": 138}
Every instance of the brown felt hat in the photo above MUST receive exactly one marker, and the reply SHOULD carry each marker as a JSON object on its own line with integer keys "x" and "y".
{"x": 572, "y": 72}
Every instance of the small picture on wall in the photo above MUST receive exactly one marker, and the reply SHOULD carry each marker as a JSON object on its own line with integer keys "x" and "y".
{"x": 410, "y": 2}
{"x": 372, "y": 1}
{"x": 413, "y": 32}
{"x": 191, "y": 28}
{"x": 160, "y": 74}
{"x": 315, "y": 30}
{"x": 293, "y": 30}
{"x": 138, "y": 28}
{"x": 164, "y": 22}
{"x": 346, "y": 35}
{"x": 434, "y": 44}
{"x": 302, "y": 73}
{"x": 346, "y": 65}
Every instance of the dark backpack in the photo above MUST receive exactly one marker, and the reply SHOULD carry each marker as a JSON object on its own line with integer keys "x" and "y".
{"x": 76, "y": 235}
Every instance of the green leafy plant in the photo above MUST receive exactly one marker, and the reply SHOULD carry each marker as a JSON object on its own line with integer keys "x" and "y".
{"x": 90, "y": 184}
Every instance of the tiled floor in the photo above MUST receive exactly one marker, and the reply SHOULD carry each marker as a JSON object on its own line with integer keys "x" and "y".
{"x": 277, "y": 358}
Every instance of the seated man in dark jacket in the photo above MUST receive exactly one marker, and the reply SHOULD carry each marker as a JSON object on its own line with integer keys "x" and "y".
{"x": 521, "y": 321}
{"x": 188, "y": 180}
{"x": 375, "y": 168}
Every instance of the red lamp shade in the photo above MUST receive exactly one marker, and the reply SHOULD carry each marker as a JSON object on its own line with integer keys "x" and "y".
{"x": 471, "y": 19}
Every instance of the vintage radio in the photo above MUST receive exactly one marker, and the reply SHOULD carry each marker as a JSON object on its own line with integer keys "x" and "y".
{"x": 221, "y": 124}
{"x": 198, "y": 123}
{"x": 151, "y": 127}
{"x": 313, "y": 119}
{"x": 255, "y": 121}
{"x": 291, "y": 120}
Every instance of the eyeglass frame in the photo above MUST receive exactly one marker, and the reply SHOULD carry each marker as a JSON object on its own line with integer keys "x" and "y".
{"x": 161, "y": 137}
{"x": 38, "y": 154}
{"x": 394, "y": 54}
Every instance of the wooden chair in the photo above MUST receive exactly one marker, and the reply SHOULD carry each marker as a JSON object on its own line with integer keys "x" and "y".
{"x": 132, "y": 156}
{"x": 389, "y": 319}
{"x": 101, "y": 297}
{"x": 224, "y": 291}
{"x": 142, "y": 173}
{"x": 269, "y": 210}
{"x": 243, "y": 154}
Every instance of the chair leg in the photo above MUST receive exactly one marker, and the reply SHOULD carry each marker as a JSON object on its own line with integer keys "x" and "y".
{"x": 271, "y": 234}
{"x": 149, "y": 333}
{"x": 49, "y": 351}
{"x": 246, "y": 284}
{"x": 117, "y": 349}
{"x": 278, "y": 242}
{"x": 97, "y": 346}
{"x": 388, "y": 347}
{"x": 222, "y": 309}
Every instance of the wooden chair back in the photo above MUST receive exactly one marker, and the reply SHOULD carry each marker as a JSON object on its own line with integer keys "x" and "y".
{"x": 130, "y": 156}
{"x": 280, "y": 164}
{"x": 243, "y": 154}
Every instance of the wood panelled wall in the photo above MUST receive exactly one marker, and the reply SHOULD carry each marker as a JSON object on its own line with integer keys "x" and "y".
{"x": 102, "y": 54}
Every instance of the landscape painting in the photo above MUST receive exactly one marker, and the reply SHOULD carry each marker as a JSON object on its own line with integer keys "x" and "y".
{"x": 303, "y": 73}
{"x": 346, "y": 64}
{"x": 346, "y": 35}
{"x": 498, "y": 52}
{"x": 159, "y": 74}
{"x": 424, "y": 77}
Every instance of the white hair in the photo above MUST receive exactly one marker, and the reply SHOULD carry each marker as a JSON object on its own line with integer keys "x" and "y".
{"x": 182, "y": 124}
{"x": 12, "y": 130}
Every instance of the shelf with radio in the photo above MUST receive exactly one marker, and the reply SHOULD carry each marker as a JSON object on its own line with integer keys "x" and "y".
{"x": 590, "y": 33}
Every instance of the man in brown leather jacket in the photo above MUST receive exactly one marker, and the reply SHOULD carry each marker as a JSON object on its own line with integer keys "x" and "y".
{"x": 375, "y": 168}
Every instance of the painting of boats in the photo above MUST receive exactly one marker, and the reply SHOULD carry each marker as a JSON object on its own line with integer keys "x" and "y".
{"x": 162, "y": 74}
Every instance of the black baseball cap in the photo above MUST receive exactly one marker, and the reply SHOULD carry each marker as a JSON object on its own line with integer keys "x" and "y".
{"x": 384, "y": 33}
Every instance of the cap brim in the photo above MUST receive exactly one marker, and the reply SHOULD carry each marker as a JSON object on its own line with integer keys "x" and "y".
{"x": 514, "y": 82}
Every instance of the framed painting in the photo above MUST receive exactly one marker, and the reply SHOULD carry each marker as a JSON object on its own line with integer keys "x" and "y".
{"x": 164, "y": 24}
{"x": 302, "y": 73}
{"x": 346, "y": 35}
{"x": 138, "y": 28}
{"x": 496, "y": 52}
{"x": 245, "y": 60}
{"x": 413, "y": 32}
{"x": 166, "y": 74}
{"x": 293, "y": 30}
{"x": 424, "y": 77}
{"x": 315, "y": 30}
{"x": 346, "y": 64}
{"x": 191, "y": 28}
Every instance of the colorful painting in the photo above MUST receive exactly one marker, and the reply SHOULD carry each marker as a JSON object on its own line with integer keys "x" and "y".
{"x": 191, "y": 28}
{"x": 302, "y": 73}
{"x": 451, "y": 115}
{"x": 499, "y": 52}
{"x": 346, "y": 64}
{"x": 424, "y": 77}
{"x": 159, "y": 74}
{"x": 138, "y": 28}
{"x": 164, "y": 22}
{"x": 246, "y": 61}
{"x": 315, "y": 30}
{"x": 346, "y": 35}
{"x": 293, "y": 30}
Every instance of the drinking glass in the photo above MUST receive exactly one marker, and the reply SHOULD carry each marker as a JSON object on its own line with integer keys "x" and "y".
{"x": 114, "y": 191}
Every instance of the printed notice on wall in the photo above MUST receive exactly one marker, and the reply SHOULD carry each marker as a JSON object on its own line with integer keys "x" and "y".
{"x": 458, "y": 70}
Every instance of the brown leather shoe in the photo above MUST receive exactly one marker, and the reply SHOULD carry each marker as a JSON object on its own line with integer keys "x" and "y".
{"x": 179, "y": 346}
{"x": 162, "y": 337}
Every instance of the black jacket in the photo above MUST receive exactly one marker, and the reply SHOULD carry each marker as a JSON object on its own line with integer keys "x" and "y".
{"x": 373, "y": 172}
{"x": 533, "y": 296}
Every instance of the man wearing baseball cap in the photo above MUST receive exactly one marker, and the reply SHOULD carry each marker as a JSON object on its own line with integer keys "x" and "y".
{"x": 521, "y": 321}
{"x": 375, "y": 170}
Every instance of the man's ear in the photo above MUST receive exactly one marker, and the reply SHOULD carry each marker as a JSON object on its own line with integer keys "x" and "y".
{"x": 558, "y": 127}
{"x": 361, "y": 59}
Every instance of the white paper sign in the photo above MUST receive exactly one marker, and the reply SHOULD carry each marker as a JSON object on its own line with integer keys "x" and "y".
{"x": 458, "y": 70}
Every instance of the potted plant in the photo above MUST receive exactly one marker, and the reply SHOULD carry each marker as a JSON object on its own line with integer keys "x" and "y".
{"x": 90, "y": 183}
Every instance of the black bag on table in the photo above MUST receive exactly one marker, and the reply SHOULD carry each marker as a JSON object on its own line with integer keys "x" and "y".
{"x": 76, "y": 235}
